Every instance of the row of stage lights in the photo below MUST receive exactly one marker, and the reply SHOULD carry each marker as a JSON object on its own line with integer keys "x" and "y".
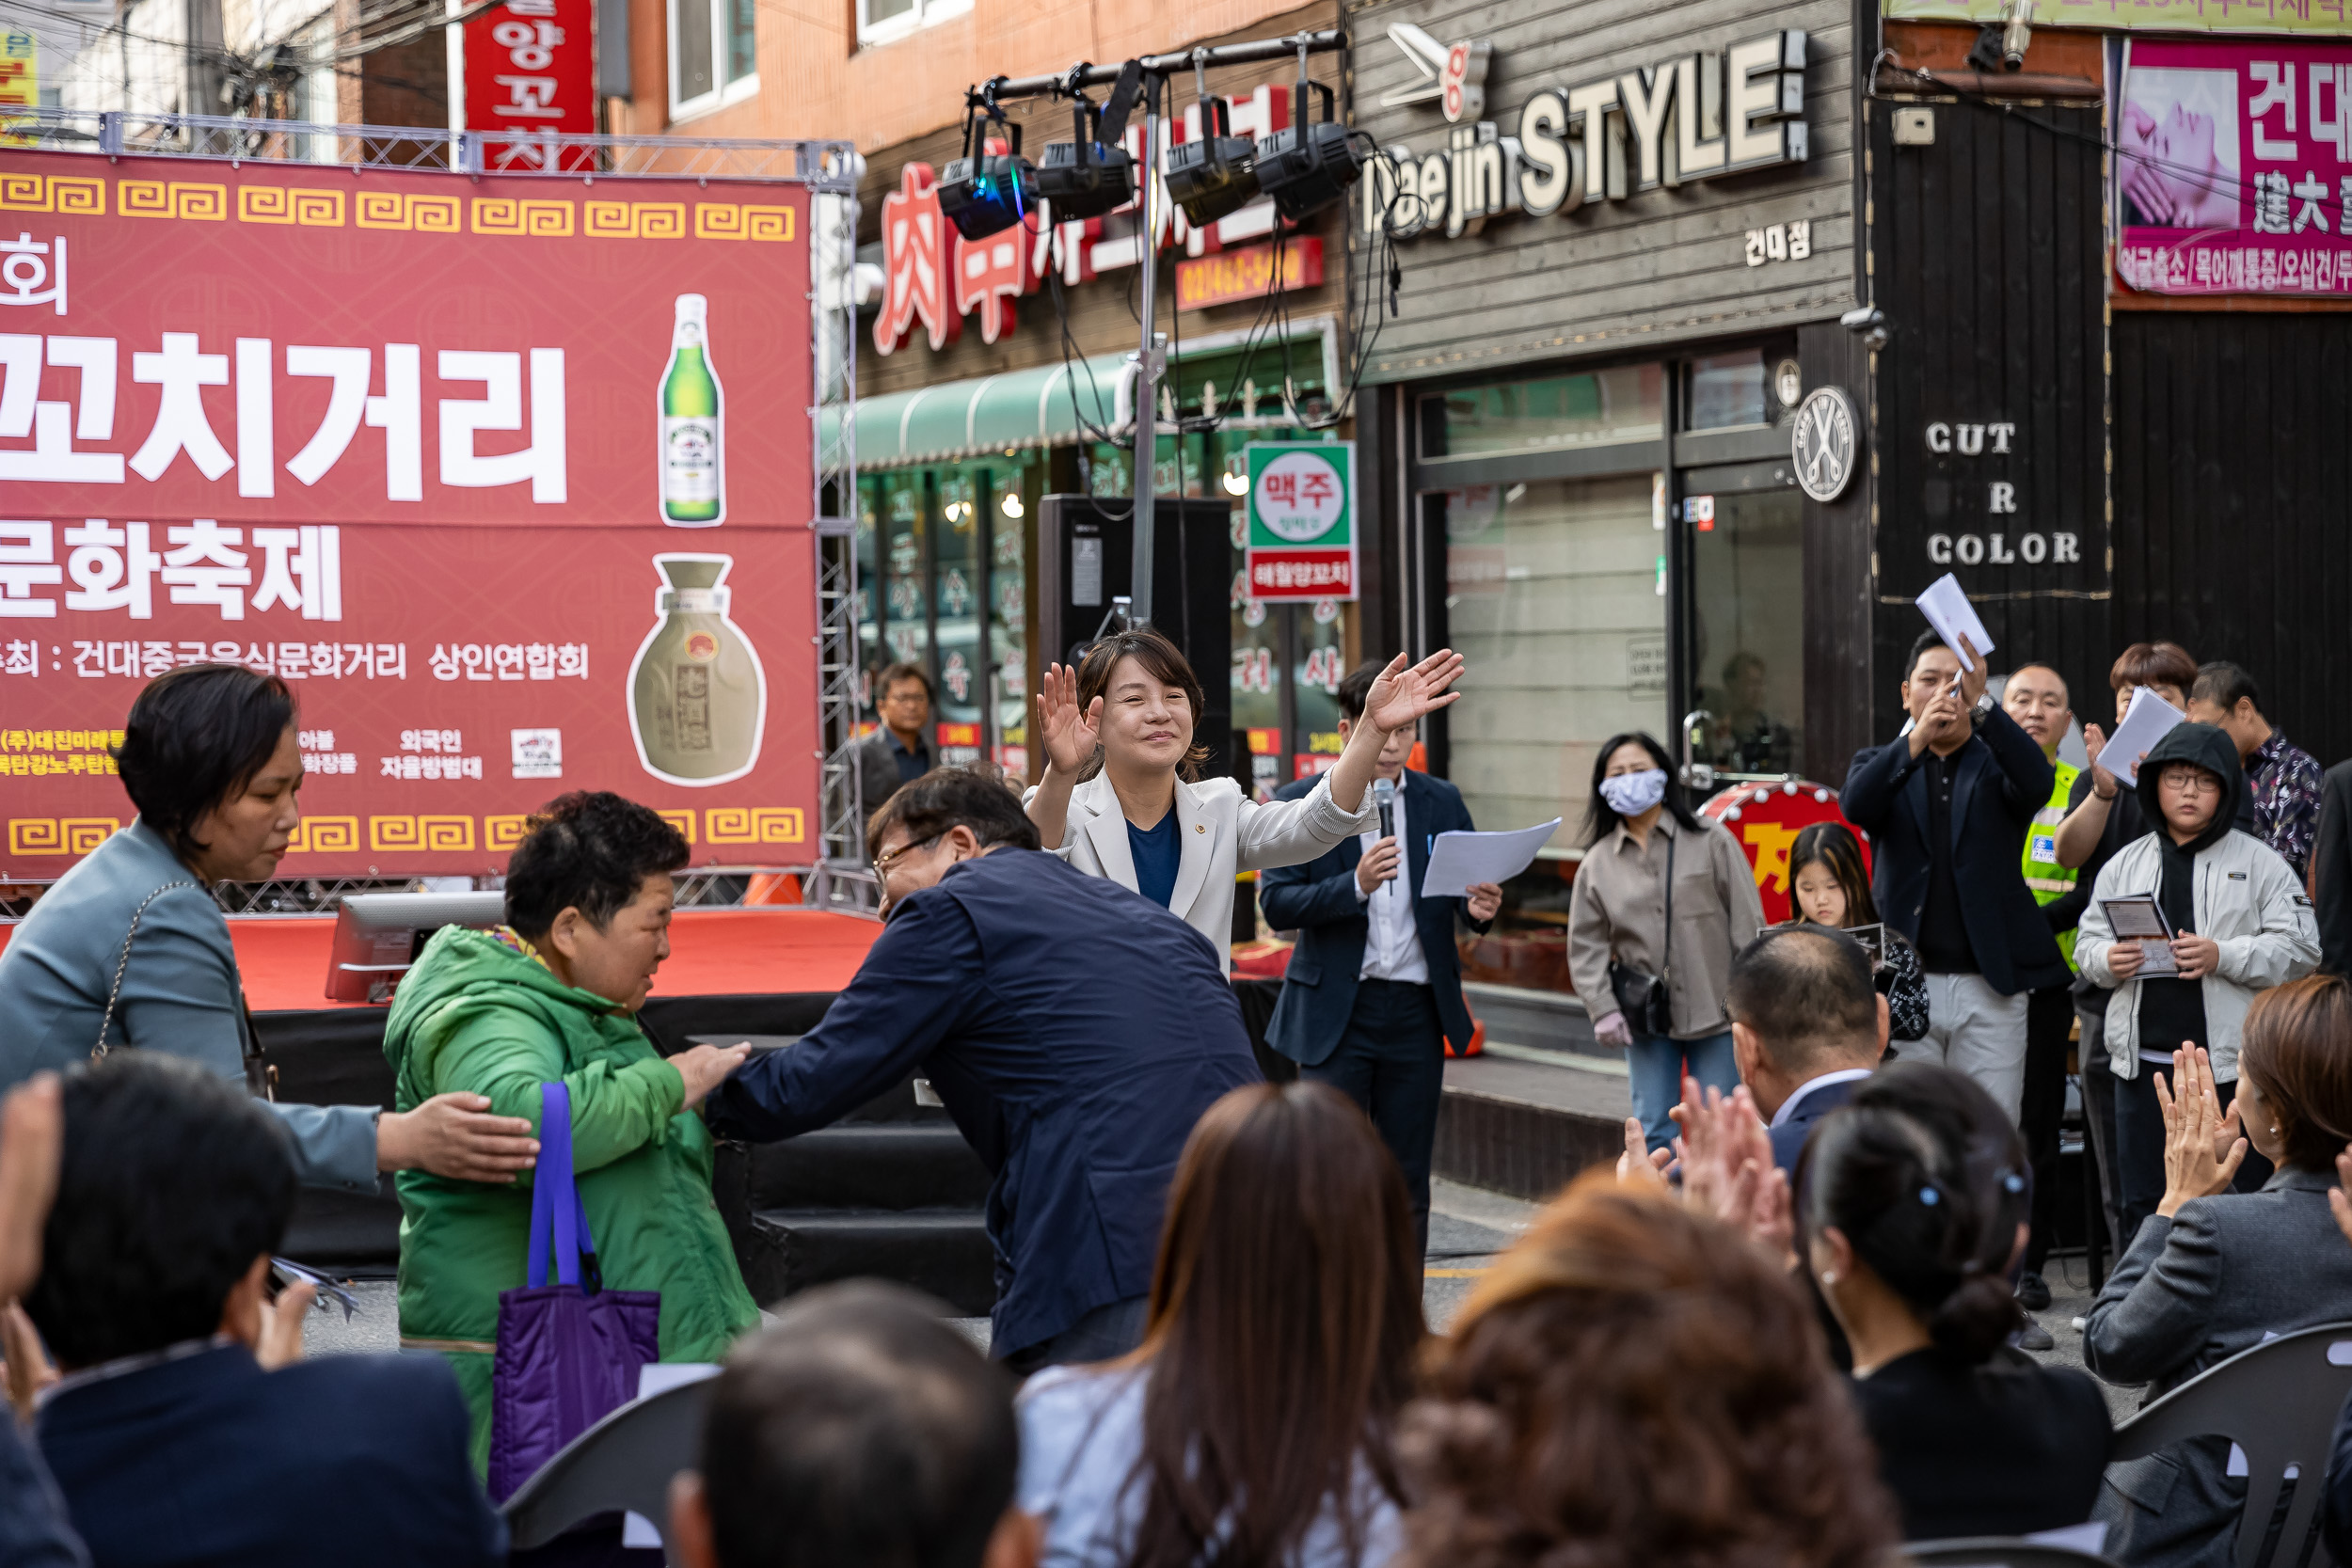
{"x": 1305, "y": 167}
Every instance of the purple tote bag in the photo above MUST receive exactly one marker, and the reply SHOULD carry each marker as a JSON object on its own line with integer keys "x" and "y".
{"x": 569, "y": 1353}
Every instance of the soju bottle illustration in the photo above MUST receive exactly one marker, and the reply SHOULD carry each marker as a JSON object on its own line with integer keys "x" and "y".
{"x": 693, "y": 466}
{"x": 697, "y": 699}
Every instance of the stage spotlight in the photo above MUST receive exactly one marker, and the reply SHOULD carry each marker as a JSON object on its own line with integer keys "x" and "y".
{"x": 1093, "y": 174}
{"x": 986, "y": 193}
{"x": 1308, "y": 167}
{"x": 1216, "y": 175}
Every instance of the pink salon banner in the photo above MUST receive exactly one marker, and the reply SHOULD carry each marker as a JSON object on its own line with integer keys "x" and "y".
{"x": 2233, "y": 169}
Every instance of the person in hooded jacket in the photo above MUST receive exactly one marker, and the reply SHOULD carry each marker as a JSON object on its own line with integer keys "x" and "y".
{"x": 553, "y": 994}
{"x": 2241, "y": 925}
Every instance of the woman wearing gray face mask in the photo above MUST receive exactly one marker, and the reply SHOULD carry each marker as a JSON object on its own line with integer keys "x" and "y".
{"x": 1654, "y": 982}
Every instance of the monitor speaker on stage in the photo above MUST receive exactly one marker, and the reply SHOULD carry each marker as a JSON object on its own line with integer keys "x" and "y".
{"x": 1086, "y": 561}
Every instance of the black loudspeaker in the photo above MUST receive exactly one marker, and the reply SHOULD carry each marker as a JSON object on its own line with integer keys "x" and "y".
{"x": 1085, "y": 559}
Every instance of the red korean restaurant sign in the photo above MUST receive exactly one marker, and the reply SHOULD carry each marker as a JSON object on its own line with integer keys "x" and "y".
{"x": 1251, "y": 273}
{"x": 530, "y": 70}
{"x": 510, "y": 479}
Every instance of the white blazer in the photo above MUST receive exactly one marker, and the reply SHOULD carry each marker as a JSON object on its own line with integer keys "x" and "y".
{"x": 1223, "y": 831}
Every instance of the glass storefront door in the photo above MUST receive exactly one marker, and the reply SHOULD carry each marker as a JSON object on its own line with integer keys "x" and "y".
{"x": 1746, "y": 634}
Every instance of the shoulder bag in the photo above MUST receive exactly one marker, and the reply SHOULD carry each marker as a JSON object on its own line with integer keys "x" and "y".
{"x": 260, "y": 1077}
{"x": 1648, "y": 1000}
{"x": 567, "y": 1353}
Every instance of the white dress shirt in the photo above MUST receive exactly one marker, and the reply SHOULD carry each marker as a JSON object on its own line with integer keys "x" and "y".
{"x": 1392, "y": 946}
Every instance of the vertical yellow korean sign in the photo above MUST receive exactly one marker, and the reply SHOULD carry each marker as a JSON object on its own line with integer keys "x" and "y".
{"x": 19, "y": 81}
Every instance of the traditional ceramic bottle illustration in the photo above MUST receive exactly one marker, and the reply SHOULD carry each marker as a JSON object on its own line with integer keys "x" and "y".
{"x": 698, "y": 699}
{"x": 694, "y": 468}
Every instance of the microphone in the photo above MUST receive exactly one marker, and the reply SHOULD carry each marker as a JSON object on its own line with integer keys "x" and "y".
{"x": 1384, "y": 795}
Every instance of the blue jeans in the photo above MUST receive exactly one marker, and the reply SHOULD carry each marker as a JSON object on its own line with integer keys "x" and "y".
{"x": 1654, "y": 1070}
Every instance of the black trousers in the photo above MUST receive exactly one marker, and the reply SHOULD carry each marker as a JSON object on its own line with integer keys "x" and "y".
{"x": 2139, "y": 1148}
{"x": 2049, "y": 1019}
{"x": 1392, "y": 1061}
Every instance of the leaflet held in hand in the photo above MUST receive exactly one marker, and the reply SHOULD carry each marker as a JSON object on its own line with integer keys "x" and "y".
{"x": 1459, "y": 859}
{"x": 2148, "y": 720}
{"x": 1949, "y": 612}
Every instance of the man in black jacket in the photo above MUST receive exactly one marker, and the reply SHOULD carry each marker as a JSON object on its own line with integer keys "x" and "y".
{"x": 172, "y": 1439}
{"x": 2332, "y": 870}
{"x": 1373, "y": 990}
{"x": 1946, "y": 806}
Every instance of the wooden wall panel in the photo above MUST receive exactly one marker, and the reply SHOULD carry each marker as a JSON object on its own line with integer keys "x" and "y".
{"x": 1987, "y": 256}
{"x": 2233, "y": 502}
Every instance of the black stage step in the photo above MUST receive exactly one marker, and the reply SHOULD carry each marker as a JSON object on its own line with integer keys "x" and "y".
{"x": 889, "y": 1191}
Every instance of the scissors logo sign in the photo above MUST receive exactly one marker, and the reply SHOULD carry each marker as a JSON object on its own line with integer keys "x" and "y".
{"x": 1824, "y": 440}
{"x": 1454, "y": 76}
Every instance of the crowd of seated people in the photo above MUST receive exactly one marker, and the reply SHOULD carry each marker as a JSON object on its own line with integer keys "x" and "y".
{"x": 1786, "y": 1341}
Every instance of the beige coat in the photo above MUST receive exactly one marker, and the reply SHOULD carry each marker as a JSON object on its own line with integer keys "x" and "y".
{"x": 1617, "y": 909}
{"x": 1224, "y": 833}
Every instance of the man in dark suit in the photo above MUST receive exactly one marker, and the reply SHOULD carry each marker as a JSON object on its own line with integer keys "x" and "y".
{"x": 1374, "y": 990}
{"x": 900, "y": 749}
{"x": 1946, "y": 807}
{"x": 1075, "y": 1031}
{"x": 171, "y": 1436}
{"x": 1807, "y": 1024}
{"x": 2332, "y": 870}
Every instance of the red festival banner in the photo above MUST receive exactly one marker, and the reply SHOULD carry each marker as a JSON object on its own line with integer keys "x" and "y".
{"x": 510, "y": 479}
{"x": 530, "y": 70}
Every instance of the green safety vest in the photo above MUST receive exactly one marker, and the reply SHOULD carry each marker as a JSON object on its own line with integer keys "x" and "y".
{"x": 2049, "y": 879}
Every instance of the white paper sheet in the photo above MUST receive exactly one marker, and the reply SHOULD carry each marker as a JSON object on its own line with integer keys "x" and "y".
{"x": 1949, "y": 612}
{"x": 2091, "y": 1538}
{"x": 2148, "y": 720}
{"x": 659, "y": 1377}
{"x": 1459, "y": 859}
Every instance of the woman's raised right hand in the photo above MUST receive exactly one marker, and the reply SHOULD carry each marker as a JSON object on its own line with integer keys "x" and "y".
{"x": 707, "y": 1066}
{"x": 1070, "y": 736}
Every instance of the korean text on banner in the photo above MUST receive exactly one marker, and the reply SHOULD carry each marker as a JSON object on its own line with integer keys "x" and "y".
{"x": 1301, "y": 520}
{"x": 446, "y": 516}
{"x": 2143, "y": 16}
{"x": 2233, "y": 167}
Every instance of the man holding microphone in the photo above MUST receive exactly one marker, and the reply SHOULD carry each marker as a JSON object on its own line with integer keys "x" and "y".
{"x": 1374, "y": 990}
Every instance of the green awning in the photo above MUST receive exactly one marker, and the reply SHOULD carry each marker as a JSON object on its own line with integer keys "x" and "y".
{"x": 1016, "y": 410}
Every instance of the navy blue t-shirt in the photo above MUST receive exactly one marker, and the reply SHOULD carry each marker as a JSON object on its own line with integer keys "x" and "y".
{"x": 1156, "y": 852}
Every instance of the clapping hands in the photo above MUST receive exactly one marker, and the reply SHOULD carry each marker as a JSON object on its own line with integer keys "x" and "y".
{"x": 2203, "y": 1149}
{"x": 1726, "y": 1156}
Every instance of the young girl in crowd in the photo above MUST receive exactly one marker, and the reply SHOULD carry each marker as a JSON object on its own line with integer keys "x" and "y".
{"x": 1914, "y": 1199}
{"x": 1122, "y": 795}
{"x": 1252, "y": 1427}
{"x": 1828, "y": 886}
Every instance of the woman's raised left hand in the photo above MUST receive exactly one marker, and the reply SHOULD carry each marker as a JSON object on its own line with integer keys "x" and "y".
{"x": 2193, "y": 1166}
{"x": 1403, "y": 695}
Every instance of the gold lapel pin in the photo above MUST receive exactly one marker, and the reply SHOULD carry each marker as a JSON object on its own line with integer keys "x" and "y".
{"x": 1199, "y": 827}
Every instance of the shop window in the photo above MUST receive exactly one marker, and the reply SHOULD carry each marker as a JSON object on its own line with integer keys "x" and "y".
{"x": 957, "y": 608}
{"x": 1006, "y": 519}
{"x": 1747, "y": 653}
{"x": 1322, "y": 631}
{"x": 869, "y": 591}
{"x": 881, "y": 21}
{"x": 714, "y": 56}
{"x": 1551, "y": 598}
{"x": 1724, "y": 391}
{"x": 906, "y": 577}
{"x": 1590, "y": 408}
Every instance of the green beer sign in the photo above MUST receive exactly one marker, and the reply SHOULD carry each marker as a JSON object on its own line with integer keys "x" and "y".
{"x": 1302, "y": 519}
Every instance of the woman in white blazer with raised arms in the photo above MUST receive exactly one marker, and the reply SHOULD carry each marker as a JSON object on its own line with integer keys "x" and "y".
{"x": 1122, "y": 796}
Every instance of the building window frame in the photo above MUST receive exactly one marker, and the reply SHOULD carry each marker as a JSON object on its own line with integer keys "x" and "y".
{"x": 917, "y": 16}
{"x": 714, "y": 16}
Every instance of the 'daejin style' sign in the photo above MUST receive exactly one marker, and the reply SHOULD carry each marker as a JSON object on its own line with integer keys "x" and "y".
{"x": 509, "y": 479}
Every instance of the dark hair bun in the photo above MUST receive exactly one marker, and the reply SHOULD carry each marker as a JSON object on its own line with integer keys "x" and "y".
{"x": 1925, "y": 1175}
{"x": 1977, "y": 1318}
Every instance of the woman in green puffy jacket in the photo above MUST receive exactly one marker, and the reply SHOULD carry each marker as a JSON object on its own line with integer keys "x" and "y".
{"x": 553, "y": 994}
